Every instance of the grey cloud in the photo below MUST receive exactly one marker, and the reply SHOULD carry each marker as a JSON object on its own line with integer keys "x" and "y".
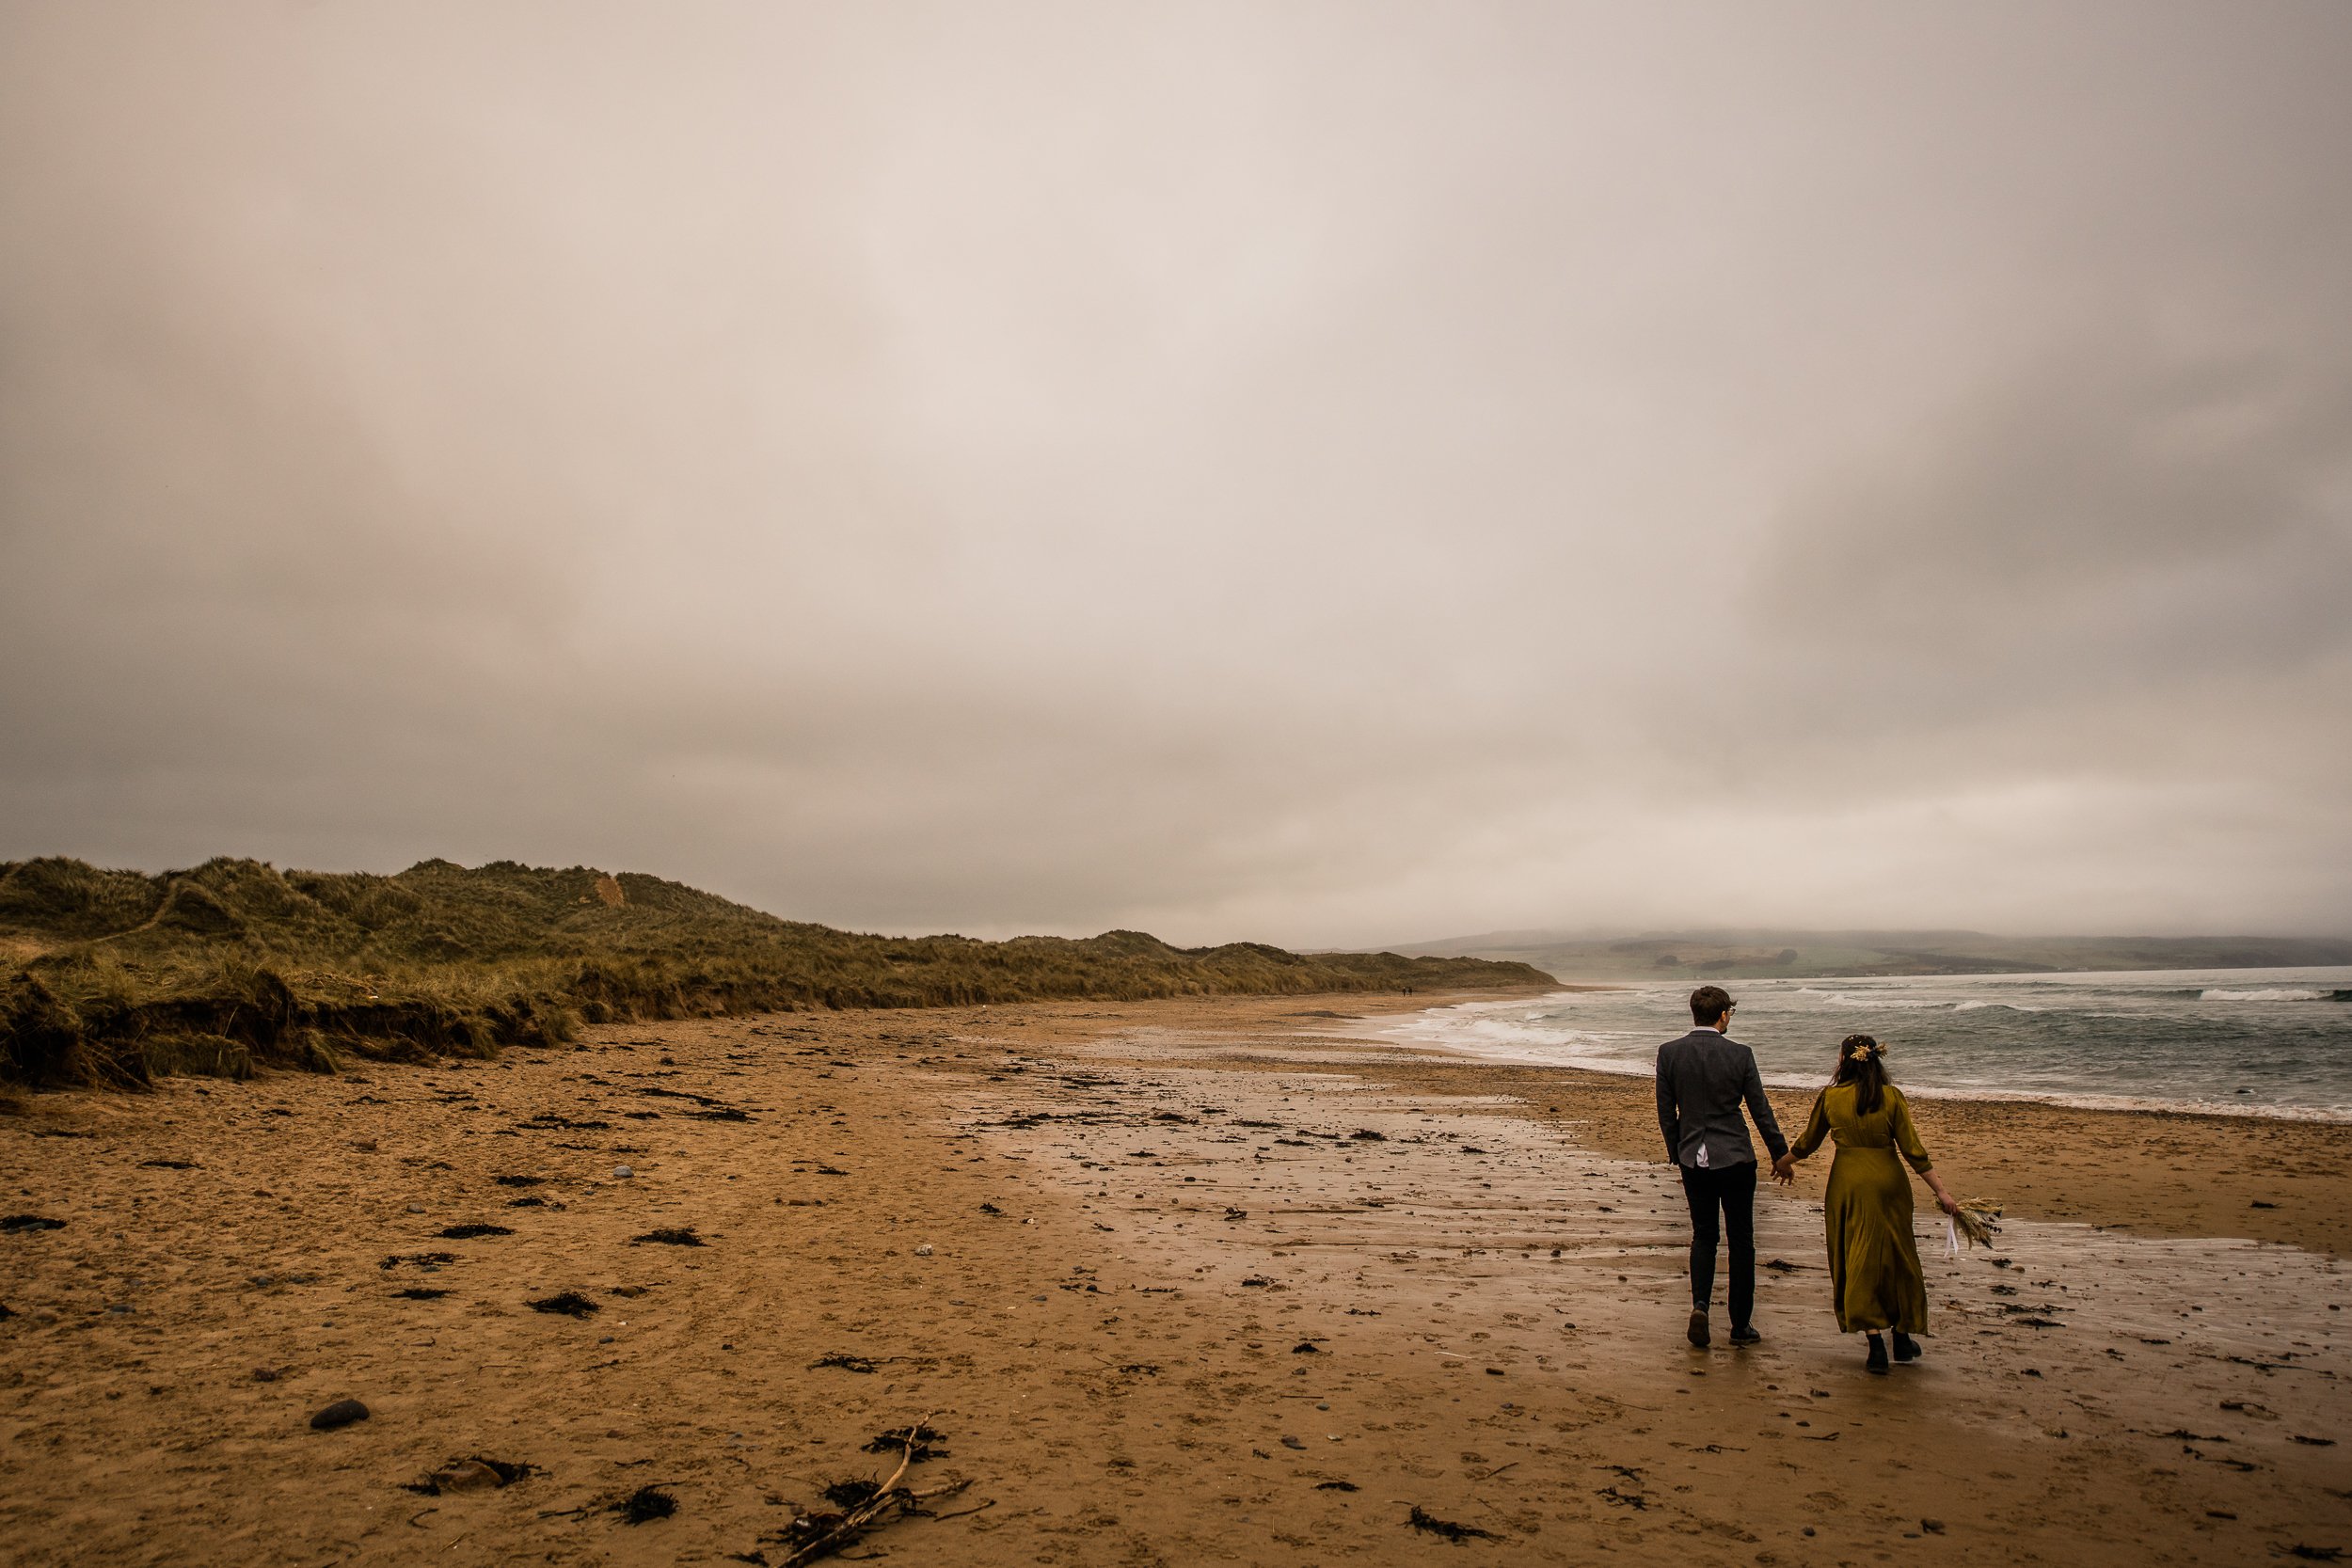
{"x": 2108, "y": 520}
{"x": 1322, "y": 473}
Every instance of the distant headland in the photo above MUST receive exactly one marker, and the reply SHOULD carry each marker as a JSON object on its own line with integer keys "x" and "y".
{"x": 1768, "y": 954}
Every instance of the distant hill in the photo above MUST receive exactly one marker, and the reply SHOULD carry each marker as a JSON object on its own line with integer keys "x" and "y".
{"x": 116, "y": 975}
{"x": 1763, "y": 954}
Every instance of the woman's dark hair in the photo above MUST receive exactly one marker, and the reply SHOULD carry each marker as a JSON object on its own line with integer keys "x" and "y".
{"x": 1861, "y": 1063}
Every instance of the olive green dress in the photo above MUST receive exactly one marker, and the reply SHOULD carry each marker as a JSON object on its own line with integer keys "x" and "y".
{"x": 1873, "y": 1262}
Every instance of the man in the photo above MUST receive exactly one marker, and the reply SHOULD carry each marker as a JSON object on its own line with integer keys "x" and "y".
{"x": 1703, "y": 1080}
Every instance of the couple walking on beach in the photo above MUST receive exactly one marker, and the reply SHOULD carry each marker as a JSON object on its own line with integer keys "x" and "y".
{"x": 1705, "y": 1080}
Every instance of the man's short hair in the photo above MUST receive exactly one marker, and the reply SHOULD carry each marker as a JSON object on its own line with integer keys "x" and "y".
{"x": 1708, "y": 1003}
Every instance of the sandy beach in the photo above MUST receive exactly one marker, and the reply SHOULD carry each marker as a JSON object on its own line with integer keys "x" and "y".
{"x": 1185, "y": 1282}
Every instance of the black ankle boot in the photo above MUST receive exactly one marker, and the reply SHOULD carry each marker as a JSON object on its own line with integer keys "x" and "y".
{"x": 1906, "y": 1348}
{"x": 1878, "y": 1356}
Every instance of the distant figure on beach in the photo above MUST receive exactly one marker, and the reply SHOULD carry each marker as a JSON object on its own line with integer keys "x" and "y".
{"x": 1873, "y": 1262}
{"x": 1704, "y": 1079}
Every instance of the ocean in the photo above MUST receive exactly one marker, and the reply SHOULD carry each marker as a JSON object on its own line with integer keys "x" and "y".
{"x": 2267, "y": 1041}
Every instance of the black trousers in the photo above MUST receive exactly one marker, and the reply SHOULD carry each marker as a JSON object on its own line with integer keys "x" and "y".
{"x": 1730, "y": 1189}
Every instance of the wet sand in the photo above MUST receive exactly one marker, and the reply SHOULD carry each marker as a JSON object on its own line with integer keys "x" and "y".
{"x": 1177, "y": 1307}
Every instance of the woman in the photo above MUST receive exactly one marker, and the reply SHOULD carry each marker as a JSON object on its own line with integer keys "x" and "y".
{"x": 1873, "y": 1262}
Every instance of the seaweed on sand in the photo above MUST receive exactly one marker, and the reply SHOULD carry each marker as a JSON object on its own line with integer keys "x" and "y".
{"x": 646, "y": 1504}
{"x": 921, "y": 1442}
{"x": 670, "y": 1235}
{"x": 1456, "y": 1533}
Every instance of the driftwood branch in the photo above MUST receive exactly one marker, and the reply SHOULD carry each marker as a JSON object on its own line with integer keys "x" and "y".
{"x": 888, "y": 1502}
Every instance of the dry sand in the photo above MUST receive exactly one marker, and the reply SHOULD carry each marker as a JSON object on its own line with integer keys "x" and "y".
{"x": 1177, "y": 1307}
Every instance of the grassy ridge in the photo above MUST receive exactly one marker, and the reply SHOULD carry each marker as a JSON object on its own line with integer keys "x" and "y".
{"x": 115, "y": 976}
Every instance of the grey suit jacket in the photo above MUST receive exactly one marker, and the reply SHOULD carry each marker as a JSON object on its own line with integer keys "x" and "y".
{"x": 1702, "y": 1080}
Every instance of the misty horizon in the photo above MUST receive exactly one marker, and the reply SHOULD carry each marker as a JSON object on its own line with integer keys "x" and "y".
{"x": 1303, "y": 474}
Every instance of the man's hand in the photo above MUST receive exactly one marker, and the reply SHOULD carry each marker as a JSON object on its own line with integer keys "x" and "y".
{"x": 1784, "y": 1170}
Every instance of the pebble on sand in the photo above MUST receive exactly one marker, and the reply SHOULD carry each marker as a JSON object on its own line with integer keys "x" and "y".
{"x": 341, "y": 1414}
{"x": 622, "y": 1173}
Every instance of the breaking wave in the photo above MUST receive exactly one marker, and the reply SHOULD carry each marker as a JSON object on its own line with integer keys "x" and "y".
{"x": 2279, "y": 994}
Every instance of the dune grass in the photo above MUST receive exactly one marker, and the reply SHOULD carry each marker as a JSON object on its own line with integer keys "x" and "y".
{"x": 117, "y": 976}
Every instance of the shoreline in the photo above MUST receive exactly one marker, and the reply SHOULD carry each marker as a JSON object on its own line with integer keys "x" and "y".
{"x": 2285, "y": 1180}
{"x": 1182, "y": 1281}
{"x": 2104, "y": 1104}
{"x": 2137, "y": 1105}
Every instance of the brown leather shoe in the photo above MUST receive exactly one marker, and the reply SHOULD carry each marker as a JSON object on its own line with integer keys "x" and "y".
{"x": 1696, "y": 1333}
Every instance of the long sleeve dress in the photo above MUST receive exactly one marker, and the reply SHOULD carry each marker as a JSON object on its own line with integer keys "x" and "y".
{"x": 1873, "y": 1262}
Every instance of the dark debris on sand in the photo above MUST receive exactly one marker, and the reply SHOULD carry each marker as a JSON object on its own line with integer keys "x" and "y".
{"x": 420, "y": 1292}
{"x": 645, "y": 1505}
{"x": 571, "y": 1303}
{"x": 468, "y": 1232}
{"x": 919, "y": 1442}
{"x": 852, "y": 1494}
{"x": 1422, "y": 1520}
{"x": 670, "y": 1235}
{"x": 474, "y": 1473}
{"x": 422, "y": 1260}
{"x": 30, "y": 1222}
{"x": 847, "y": 1363}
{"x": 342, "y": 1413}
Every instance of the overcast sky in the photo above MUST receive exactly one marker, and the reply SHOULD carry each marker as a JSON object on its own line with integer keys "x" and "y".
{"x": 1318, "y": 473}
